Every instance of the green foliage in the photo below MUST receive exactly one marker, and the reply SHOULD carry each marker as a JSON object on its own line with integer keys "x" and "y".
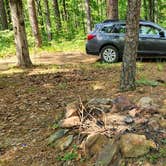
{"x": 7, "y": 46}
{"x": 160, "y": 67}
{"x": 72, "y": 34}
{"x": 144, "y": 81}
{"x": 155, "y": 156}
{"x": 68, "y": 156}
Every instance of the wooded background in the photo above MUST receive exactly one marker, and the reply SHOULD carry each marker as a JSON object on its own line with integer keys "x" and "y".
{"x": 71, "y": 19}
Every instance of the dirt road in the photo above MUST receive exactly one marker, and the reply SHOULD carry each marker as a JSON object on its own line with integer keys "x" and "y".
{"x": 58, "y": 58}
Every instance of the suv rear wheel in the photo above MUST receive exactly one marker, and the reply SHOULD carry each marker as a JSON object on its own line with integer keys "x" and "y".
{"x": 109, "y": 54}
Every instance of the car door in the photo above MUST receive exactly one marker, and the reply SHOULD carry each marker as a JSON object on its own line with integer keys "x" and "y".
{"x": 150, "y": 40}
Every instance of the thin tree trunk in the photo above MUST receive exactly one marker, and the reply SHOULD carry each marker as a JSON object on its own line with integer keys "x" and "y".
{"x": 151, "y": 10}
{"x": 88, "y": 15}
{"x": 40, "y": 13}
{"x": 112, "y": 9}
{"x": 8, "y": 12}
{"x": 145, "y": 9}
{"x": 48, "y": 21}
{"x": 65, "y": 10}
{"x": 34, "y": 22}
{"x": 57, "y": 15}
{"x": 131, "y": 44}
{"x": 20, "y": 33}
{"x": 3, "y": 16}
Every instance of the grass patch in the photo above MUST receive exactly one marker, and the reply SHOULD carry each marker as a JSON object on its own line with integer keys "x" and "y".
{"x": 154, "y": 157}
{"x": 146, "y": 82}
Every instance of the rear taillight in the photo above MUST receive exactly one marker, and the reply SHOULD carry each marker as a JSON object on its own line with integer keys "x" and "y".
{"x": 90, "y": 36}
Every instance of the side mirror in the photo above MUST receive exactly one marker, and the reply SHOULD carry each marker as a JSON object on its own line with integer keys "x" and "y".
{"x": 162, "y": 34}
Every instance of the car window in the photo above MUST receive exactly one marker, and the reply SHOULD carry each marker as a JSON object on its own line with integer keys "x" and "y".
{"x": 148, "y": 30}
{"x": 119, "y": 28}
{"x": 107, "y": 29}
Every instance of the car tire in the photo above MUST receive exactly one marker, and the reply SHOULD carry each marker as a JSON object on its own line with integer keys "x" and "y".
{"x": 109, "y": 54}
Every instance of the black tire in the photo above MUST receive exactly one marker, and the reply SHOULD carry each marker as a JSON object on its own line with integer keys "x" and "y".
{"x": 109, "y": 54}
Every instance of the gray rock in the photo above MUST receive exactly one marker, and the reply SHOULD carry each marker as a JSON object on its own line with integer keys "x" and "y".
{"x": 94, "y": 143}
{"x": 58, "y": 134}
{"x": 98, "y": 101}
{"x": 128, "y": 120}
{"x": 109, "y": 155}
{"x": 104, "y": 104}
{"x": 122, "y": 103}
{"x": 63, "y": 143}
{"x": 147, "y": 103}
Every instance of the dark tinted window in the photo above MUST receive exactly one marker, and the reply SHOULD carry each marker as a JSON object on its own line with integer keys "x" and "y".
{"x": 119, "y": 28}
{"x": 107, "y": 29}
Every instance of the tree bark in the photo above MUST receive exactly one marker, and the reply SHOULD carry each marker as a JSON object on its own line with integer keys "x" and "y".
{"x": 131, "y": 45}
{"x": 112, "y": 9}
{"x": 152, "y": 10}
{"x": 8, "y": 12}
{"x": 57, "y": 15}
{"x": 88, "y": 15}
{"x": 48, "y": 21}
{"x": 34, "y": 22}
{"x": 145, "y": 9}
{"x": 20, "y": 33}
{"x": 3, "y": 16}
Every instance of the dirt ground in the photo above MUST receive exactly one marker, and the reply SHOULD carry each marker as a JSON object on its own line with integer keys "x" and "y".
{"x": 58, "y": 58}
{"x": 32, "y": 100}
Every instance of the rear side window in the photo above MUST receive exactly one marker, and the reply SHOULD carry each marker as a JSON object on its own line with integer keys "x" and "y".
{"x": 116, "y": 28}
{"x": 119, "y": 28}
{"x": 107, "y": 29}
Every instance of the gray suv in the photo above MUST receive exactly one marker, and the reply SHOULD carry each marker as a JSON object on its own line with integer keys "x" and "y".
{"x": 107, "y": 40}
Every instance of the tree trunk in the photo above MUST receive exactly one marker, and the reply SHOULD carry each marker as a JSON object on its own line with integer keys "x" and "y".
{"x": 151, "y": 10}
{"x": 20, "y": 34}
{"x": 40, "y": 14}
{"x": 3, "y": 15}
{"x": 88, "y": 15}
{"x": 8, "y": 12}
{"x": 131, "y": 45}
{"x": 57, "y": 15}
{"x": 34, "y": 22}
{"x": 65, "y": 10}
{"x": 112, "y": 9}
{"x": 48, "y": 21}
{"x": 145, "y": 9}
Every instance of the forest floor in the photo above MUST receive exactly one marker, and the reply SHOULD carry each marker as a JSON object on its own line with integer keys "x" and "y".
{"x": 32, "y": 100}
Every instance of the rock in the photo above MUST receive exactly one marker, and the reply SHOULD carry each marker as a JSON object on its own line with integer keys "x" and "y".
{"x": 104, "y": 104}
{"x": 71, "y": 110}
{"x": 94, "y": 143}
{"x": 123, "y": 103}
{"x": 153, "y": 123}
{"x": 98, "y": 101}
{"x": 140, "y": 121}
{"x": 70, "y": 122}
{"x": 147, "y": 103}
{"x": 163, "y": 123}
{"x": 128, "y": 120}
{"x": 63, "y": 143}
{"x": 134, "y": 145}
{"x": 134, "y": 112}
{"x": 58, "y": 134}
{"x": 109, "y": 155}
